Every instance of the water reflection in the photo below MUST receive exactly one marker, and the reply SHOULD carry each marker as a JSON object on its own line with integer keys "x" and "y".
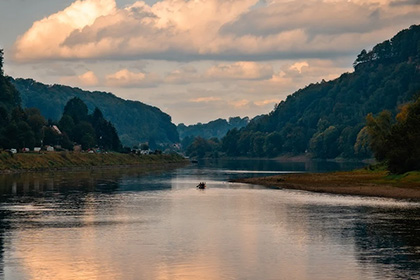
{"x": 127, "y": 224}
{"x": 102, "y": 180}
{"x": 279, "y": 165}
{"x": 390, "y": 240}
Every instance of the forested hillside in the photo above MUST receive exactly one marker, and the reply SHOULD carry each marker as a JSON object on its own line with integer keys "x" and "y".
{"x": 325, "y": 118}
{"x": 18, "y": 128}
{"x": 214, "y": 129}
{"x": 135, "y": 122}
{"x": 217, "y": 128}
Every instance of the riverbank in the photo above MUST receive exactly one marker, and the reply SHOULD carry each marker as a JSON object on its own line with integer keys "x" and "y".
{"x": 29, "y": 162}
{"x": 359, "y": 182}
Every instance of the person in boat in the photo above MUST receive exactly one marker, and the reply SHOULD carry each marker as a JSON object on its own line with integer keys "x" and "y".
{"x": 202, "y": 185}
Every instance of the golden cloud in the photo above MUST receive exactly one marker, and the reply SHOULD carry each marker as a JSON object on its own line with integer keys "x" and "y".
{"x": 88, "y": 79}
{"x": 212, "y": 29}
{"x": 205, "y": 99}
{"x": 126, "y": 78}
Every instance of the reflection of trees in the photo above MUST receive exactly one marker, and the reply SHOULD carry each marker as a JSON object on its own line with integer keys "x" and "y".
{"x": 4, "y": 225}
{"x": 101, "y": 180}
{"x": 391, "y": 240}
{"x": 281, "y": 165}
{"x": 33, "y": 184}
{"x": 385, "y": 239}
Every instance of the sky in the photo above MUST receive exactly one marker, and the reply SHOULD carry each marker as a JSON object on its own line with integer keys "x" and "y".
{"x": 197, "y": 60}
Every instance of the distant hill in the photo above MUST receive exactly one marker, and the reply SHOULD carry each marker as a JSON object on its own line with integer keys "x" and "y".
{"x": 325, "y": 118}
{"x": 135, "y": 121}
{"x": 217, "y": 128}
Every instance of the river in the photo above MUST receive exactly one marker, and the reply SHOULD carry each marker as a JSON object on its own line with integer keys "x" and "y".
{"x": 126, "y": 224}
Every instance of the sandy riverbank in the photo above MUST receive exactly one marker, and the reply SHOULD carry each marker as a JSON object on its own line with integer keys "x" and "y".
{"x": 361, "y": 182}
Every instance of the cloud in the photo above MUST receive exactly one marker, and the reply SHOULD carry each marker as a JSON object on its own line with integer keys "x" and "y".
{"x": 213, "y": 29}
{"x": 404, "y": 3}
{"x": 183, "y": 75}
{"x": 87, "y": 79}
{"x": 126, "y": 78}
{"x": 240, "y": 70}
{"x": 240, "y": 103}
{"x": 298, "y": 66}
{"x": 287, "y": 78}
{"x": 315, "y": 17}
{"x": 54, "y": 69}
{"x": 205, "y": 99}
{"x": 221, "y": 104}
{"x": 266, "y": 102}
{"x": 45, "y": 38}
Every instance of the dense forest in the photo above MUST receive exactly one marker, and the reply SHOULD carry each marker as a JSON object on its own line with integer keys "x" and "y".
{"x": 87, "y": 130}
{"x": 18, "y": 128}
{"x": 396, "y": 142}
{"x": 134, "y": 121}
{"x": 214, "y": 129}
{"x": 326, "y": 119}
{"x": 27, "y": 128}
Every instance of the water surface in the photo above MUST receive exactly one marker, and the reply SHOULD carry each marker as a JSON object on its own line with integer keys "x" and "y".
{"x": 125, "y": 224}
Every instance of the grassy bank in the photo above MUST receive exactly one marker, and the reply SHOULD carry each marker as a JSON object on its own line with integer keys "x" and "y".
{"x": 360, "y": 182}
{"x": 69, "y": 160}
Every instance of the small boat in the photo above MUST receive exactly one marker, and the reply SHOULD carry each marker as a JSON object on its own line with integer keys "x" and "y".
{"x": 201, "y": 186}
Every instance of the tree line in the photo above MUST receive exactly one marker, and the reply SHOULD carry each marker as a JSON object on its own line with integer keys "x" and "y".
{"x": 328, "y": 119}
{"x": 27, "y": 128}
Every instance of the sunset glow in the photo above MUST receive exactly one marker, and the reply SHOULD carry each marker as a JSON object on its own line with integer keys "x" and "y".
{"x": 234, "y": 50}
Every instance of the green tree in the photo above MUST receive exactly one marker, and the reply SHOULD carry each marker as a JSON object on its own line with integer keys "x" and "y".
{"x": 258, "y": 145}
{"x": 324, "y": 144}
{"x": 403, "y": 149}
{"x": 106, "y": 134}
{"x": 66, "y": 125}
{"x": 36, "y": 122}
{"x": 84, "y": 134}
{"x": 230, "y": 142}
{"x": 4, "y": 117}
{"x": 144, "y": 147}
{"x": 379, "y": 129}
{"x": 51, "y": 137}
{"x": 199, "y": 148}
{"x": 272, "y": 145}
{"x": 76, "y": 109}
{"x": 362, "y": 145}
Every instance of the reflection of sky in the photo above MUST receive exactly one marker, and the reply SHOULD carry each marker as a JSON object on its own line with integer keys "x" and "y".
{"x": 218, "y": 233}
{"x": 121, "y": 224}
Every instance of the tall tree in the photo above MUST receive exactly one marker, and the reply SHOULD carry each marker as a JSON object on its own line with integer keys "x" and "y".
{"x": 88, "y": 130}
{"x": 379, "y": 129}
{"x": 76, "y": 109}
{"x": 403, "y": 149}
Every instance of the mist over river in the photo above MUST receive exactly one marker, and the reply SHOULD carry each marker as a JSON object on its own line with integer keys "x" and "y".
{"x": 128, "y": 224}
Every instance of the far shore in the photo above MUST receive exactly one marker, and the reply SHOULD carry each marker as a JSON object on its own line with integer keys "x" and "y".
{"x": 359, "y": 182}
